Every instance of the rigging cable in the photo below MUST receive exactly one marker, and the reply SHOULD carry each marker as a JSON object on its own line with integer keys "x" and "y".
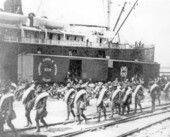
{"x": 125, "y": 19}
{"x": 39, "y": 7}
{"x": 119, "y": 16}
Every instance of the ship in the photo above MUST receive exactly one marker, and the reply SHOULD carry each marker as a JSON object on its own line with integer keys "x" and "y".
{"x": 40, "y": 49}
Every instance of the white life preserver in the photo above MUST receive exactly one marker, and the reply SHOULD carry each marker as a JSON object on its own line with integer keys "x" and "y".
{"x": 153, "y": 87}
{"x": 78, "y": 95}
{"x": 68, "y": 94}
{"x": 40, "y": 96}
{"x": 136, "y": 90}
{"x": 115, "y": 93}
{"x": 129, "y": 91}
{"x": 167, "y": 86}
{"x": 4, "y": 98}
{"x": 27, "y": 93}
{"x": 99, "y": 100}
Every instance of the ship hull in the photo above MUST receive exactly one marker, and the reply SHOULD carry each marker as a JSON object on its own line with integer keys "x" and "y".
{"x": 18, "y": 60}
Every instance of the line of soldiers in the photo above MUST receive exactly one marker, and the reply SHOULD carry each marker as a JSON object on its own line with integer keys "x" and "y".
{"x": 34, "y": 97}
{"x": 120, "y": 94}
{"x": 77, "y": 98}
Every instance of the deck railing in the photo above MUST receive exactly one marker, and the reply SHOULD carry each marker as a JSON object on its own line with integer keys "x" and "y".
{"x": 72, "y": 43}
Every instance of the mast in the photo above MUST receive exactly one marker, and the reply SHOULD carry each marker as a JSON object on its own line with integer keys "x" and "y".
{"x": 108, "y": 14}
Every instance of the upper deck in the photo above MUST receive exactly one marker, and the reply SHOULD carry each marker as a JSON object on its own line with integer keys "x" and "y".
{"x": 31, "y": 35}
{"x": 47, "y": 37}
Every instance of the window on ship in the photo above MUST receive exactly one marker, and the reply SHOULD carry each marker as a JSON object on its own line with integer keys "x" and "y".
{"x": 100, "y": 41}
{"x": 59, "y": 37}
{"x": 36, "y": 35}
{"x": 50, "y": 36}
{"x": 67, "y": 37}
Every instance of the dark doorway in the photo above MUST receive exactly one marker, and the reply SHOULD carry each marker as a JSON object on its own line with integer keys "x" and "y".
{"x": 75, "y": 68}
{"x": 138, "y": 70}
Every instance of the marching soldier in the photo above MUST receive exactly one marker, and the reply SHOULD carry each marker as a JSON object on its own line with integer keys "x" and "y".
{"x": 100, "y": 103}
{"x": 69, "y": 98}
{"x": 127, "y": 99}
{"x": 6, "y": 110}
{"x": 80, "y": 104}
{"x": 166, "y": 89}
{"x": 138, "y": 94}
{"x": 81, "y": 107}
{"x": 155, "y": 94}
{"x": 28, "y": 100}
{"x": 115, "y": 98}
{"x": 40, "y": 106}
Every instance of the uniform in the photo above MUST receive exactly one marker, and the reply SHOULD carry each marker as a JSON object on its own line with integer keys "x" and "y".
{"x": 28, "y": 100}
{"x": 116, "y": 101}
{"x": 155, "y": 94}
{"x": 70, "y": 105}
{"x": 127, "y": 100}
{"x": 41, "y": 111}
{"x": 28, "y": 107}
{"x": 138, "y": 97}
{"x": 81, "y": 106}
{"x": 101, "y": 106}
{"x": 6, "y": 110}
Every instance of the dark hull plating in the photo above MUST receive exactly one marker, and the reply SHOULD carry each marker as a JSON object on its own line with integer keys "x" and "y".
{"x": 9, "y": 52}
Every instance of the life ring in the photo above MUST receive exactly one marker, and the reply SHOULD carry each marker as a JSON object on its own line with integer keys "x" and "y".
{"x": 27, "y": 93}
{"x": 40, "y": 96}
{"x": 153, "y": 87}
{"x": 128, "y": 92}
{"x": 79, "y": 94}
{"x": 103, "y": 91}
{"x": 167, "y": 86}
{"x": 115, "y": 93}
{"x": 70, "y": 91}
{"x": 137, "y": 89}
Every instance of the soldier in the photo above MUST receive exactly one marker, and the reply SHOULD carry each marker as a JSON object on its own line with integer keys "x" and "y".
{"x": 28, "y": 100}
{"x": 80, "y": 103}
{"x": 127, "y": 99}
{"x": 100, "y": 102}
{"x": 40, "y": 106}
{"x": 155, "y": 94}
{"x": 6, "y": 109}
{"x": 115, "y": 98}
{"x": 81, "y": 107}
{"x": 70, "y": 102}
{"x": 138, "y": 94}
{"x": 166, "y": 89}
